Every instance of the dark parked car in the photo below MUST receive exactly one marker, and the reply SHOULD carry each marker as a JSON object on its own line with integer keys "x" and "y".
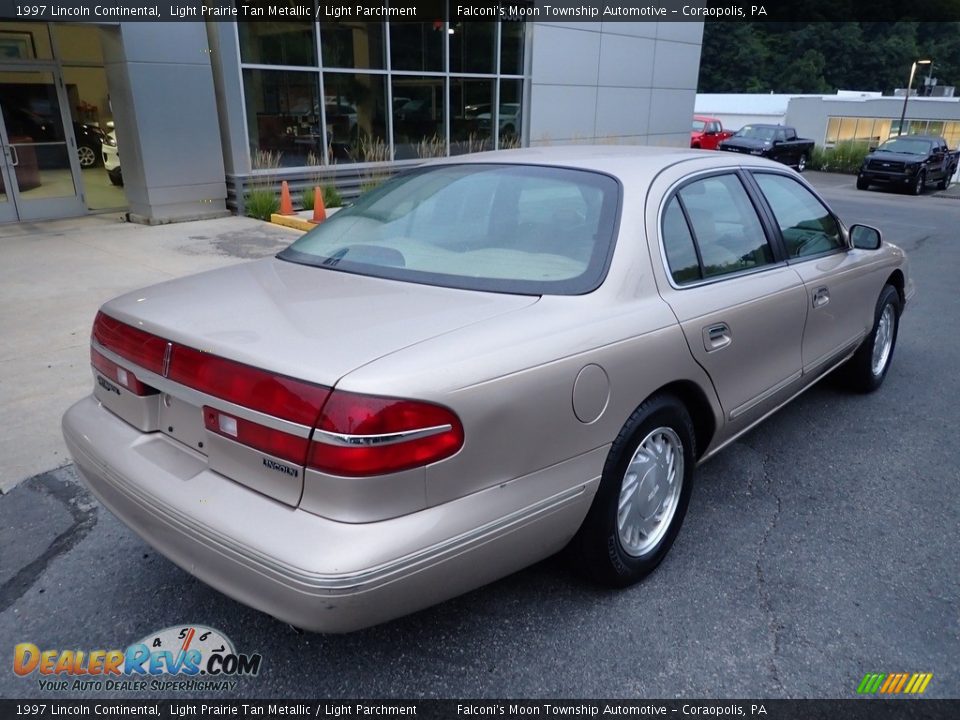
{"x": 911, "y": 162}
{"x": 777, "y": 142}
{"x": 32, "y": 127}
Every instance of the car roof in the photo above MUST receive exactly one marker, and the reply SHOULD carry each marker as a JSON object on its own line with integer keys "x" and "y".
{"x": 638, "y": 162}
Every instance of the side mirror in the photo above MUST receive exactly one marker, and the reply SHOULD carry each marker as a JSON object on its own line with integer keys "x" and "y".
{"x": 865, "y": 237}
{"x": 872, "y": 148}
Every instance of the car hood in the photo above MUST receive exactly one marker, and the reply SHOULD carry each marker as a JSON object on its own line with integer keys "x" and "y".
{"x": 747, "y": 143}
{"x": 306, "y": 322}
{"x": 885, "y": 156}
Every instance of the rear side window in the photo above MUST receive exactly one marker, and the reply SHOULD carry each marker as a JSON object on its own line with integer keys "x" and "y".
{"x": 723, "y": 229}
{"x": 807, "y": 226}
{"x": 678, "y": 244}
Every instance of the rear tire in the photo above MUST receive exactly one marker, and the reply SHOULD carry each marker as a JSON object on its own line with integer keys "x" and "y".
{"x": 802, "y": 163}
{"x": 643, "y": 495}
{"x": 868, "y": 367}
{"x": 944, "y": 182}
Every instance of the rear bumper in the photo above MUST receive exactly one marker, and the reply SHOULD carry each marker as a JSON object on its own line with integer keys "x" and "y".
{"x": 310, "y": 571}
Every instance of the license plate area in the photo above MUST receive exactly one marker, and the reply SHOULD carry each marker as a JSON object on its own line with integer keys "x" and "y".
{"x": 183, "y": 422}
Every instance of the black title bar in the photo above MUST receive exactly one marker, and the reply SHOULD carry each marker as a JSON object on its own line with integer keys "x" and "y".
{"x": 481, "y": 10}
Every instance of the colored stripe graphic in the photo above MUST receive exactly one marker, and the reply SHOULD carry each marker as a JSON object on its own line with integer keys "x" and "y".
{"x": 894, "y": 683}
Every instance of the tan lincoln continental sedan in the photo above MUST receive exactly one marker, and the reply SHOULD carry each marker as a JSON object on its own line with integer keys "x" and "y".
{"x": 479, "y": 363}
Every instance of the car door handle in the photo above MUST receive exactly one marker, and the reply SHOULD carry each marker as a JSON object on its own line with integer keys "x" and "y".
{"x": 821, "y": 296}
{"x": 14, "y": 157}
{"x": 717, "y": 337}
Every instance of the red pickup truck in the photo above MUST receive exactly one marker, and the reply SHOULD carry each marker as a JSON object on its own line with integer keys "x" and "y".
{"x": 706, "y": 132}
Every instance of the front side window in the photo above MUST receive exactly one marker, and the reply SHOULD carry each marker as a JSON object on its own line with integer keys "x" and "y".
{"x": 807, "y": 226}
{"x": 506, "y": 228}
{"x": 724, "y": 225}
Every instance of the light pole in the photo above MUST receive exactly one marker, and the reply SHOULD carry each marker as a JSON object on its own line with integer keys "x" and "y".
{"x": 913, "y": 69}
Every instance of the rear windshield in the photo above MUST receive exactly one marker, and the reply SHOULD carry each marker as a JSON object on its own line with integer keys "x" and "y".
{"x": 507, "y": 228}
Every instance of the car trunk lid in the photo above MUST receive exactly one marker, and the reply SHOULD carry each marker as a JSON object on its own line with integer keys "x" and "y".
{"x": 236, "y": 363}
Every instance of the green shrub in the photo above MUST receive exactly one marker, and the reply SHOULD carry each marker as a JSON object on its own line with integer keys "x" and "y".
{"x": 306, "y": 199}
{"x": 331, "y": 197}
{"x": 845, "y": 157}
{"x": 262, "y": 203}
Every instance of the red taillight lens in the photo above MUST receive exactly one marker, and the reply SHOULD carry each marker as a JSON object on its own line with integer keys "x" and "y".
{"x": 120, "y": 375}
{"x": 361, "y": 435}
{"x": 135, "y": 345}
{"x": 267, "y": 392}
{"x": 273, "y": 442}
{"x": 260, "y": 390}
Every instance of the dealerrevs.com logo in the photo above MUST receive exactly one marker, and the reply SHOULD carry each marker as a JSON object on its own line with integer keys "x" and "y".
{"x": 186, "y": 657}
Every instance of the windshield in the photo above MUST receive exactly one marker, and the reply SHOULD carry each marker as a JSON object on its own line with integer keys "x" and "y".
{"x": 698, "y": 125}
{"x": 908, "y": 146}
{"x": 756, "y": 132}
{"x": 508, "y": 228}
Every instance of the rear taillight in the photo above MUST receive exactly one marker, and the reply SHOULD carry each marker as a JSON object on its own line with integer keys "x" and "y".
{"x": 121, "y": 376}
{"x": 259, "y": 390}
{"x": 353, "y": 435}
{"x": 137, "y": 346}
{"x": 366, "y": 435}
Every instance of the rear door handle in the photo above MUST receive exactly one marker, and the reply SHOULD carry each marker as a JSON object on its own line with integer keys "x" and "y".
{"x": 717, "y": 337}
{"x": 821, "y": 296}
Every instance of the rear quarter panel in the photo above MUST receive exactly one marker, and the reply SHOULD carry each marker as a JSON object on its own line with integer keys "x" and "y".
{"x": 511, "y": 379}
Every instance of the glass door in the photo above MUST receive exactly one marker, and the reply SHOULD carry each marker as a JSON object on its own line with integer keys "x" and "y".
{"x": 40, "y": 170}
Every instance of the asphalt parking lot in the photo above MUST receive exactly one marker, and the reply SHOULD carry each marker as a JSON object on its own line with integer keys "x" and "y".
{"x": 821, "y": 546}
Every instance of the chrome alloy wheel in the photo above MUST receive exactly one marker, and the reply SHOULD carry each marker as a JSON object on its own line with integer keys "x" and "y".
{"x": 87, "y": 157}
{"x": 650, "y": 491}
{"x": 802, "y": 163}
{"x": 883, "y": 341}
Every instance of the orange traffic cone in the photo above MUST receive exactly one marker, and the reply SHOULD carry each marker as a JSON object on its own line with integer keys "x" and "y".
{"x": 286, "y": 204}
{"x": 319, "y": 211}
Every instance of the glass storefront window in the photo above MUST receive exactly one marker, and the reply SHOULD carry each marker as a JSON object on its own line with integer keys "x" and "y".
{"x": 833, "y": 129}
{"x": 511, "y": 120}
{"x": 25, "y": 41}
{"x": 356, "y": 116}
{"x": 881, "y": 130}
{"x": 277, "y": 43}
{"x": 355, "y": 101}
{"x": 951, "y": 133}
{"x": 283, "y": 118}
{"x": 511, "y": 48}
{"x": 417, "y": 46}
{"x": 848, "y": 129}
{"x": 418, "y": 124}
{"x": 471, "y": 115}
{"x": 472, "y": 47}
{"x": 352, "y": 45}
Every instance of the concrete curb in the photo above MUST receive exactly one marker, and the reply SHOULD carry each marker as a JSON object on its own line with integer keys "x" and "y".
{"x": 300, "y": 220}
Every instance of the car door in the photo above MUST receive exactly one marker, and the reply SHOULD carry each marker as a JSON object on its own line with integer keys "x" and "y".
{"x": 741, "y": 308}
{"x": 840, "y": 293}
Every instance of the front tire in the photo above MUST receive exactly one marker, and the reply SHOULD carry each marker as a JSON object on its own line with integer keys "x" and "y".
{"x": 862, "y": 184}
{"x": 87, "y": 156}
{"x": 920, "y": 184}
{"x": 868, "y": 367}
{"x": 643, "y": 495}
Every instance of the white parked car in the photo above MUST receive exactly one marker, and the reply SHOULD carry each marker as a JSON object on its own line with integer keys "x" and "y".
{"x": 111, "y": 158}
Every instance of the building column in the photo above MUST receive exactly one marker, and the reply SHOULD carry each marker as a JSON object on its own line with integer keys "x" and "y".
{"x": 165, "y": 111}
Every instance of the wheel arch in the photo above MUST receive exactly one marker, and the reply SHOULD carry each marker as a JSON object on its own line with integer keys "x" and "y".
{"x": 701, "y": 411}
{"x": 897, "y": 280}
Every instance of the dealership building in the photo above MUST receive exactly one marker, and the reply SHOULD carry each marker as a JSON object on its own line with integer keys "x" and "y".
{"x": 868, "y": 117}
{"x": 171, "y": 121}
